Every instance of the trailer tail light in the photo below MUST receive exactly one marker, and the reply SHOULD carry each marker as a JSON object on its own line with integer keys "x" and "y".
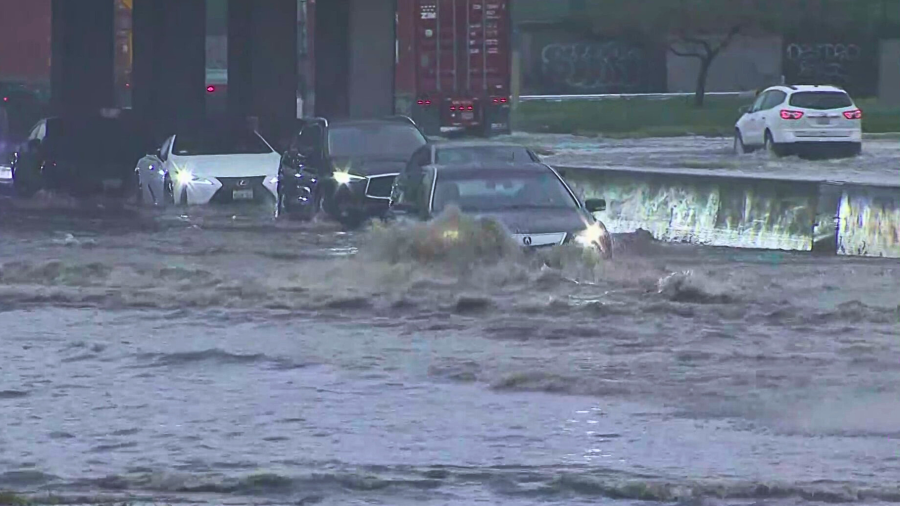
{"x": 424, "y": 102}
{"x": 499, "y": 100}
{"x": 787, "y": 114}
{"x": 855, "y": 114}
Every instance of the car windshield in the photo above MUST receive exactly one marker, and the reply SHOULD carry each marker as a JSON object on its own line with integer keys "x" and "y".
{"x": 374, "y": 141}
{"x": 214, "y": 141}
{"x": 496, "y": 190}
{"x": 94, "y": 138}
{"x": 821, "y": 100}
{"x": 470, "y": 154}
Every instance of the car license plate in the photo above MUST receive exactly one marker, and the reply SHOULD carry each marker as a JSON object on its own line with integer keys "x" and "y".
{"x": 242, "y": 195}
{"x": 823, "y": 121}
{"x": 468, "y": 116}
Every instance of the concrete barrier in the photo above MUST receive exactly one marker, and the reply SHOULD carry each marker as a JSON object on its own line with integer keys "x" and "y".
{"x": 760, "y": 213}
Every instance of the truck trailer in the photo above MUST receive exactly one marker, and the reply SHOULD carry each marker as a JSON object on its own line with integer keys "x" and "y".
{"x": 453, "y": 65}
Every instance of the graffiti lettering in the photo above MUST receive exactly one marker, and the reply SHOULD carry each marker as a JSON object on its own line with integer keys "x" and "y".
{"x": 595, "y": 67}
{"x": 825, "y": 63}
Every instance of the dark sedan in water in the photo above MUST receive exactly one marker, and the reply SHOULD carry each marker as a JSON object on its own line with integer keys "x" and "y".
{"x": 345, "y": 168}
{"x": 530, "y": 199}
{"x": 80, "y": 155}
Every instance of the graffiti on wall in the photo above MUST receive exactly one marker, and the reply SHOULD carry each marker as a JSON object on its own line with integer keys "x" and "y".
{"x": 592, "y": 67}
{"x": 845, "y": 64}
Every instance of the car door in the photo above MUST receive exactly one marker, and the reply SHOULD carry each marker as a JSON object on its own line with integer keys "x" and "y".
{"x": 27, "y": 161}
{"x": 411, "y": 172}
{"x": 153, "y": 169}
{"x": 301, "y": 162}
{"x": 754, "y": 123}
{"x": 770, "y": 115}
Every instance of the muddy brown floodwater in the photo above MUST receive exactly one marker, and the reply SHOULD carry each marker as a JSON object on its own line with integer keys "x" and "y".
{"x": 221, "y": 356}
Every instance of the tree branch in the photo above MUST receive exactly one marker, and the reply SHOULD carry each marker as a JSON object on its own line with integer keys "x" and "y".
{"x": 684, "y": 54}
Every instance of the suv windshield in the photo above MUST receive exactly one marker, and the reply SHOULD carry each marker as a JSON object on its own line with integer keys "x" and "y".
{"x": 219, "y": 142}
{"x": 470, "y": 154}
{"x": 94, "y": 138}
{"x": 374, "y": 141}
{"x": 495, "y": 190}
{"x": 821, "y": 100}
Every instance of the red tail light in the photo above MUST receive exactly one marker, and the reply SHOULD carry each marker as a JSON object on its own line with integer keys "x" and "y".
{"x": 470, "y": 108}
{"x": 452, "y": 108}
{"x": 210, "y": 89}
{"x": 787, "y": 114}
{"x": 855, "y": 114}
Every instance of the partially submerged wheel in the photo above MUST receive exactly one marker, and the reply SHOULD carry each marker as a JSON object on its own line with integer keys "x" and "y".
{"x": 773, "y": 147}
{"x": 739, "y": 147}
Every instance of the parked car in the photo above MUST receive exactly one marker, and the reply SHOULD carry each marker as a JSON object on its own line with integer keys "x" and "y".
{"x": 530, "y": 199}
{"x": 345, "y": 168}
{"x": 213, "y": 163}
{"x": 794, "y": 119}
{"x": 80, "y": 155}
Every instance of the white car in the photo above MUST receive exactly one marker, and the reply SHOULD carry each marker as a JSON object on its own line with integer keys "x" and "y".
{"x": 209, "y": 165}
{"x": 787, "y": 119}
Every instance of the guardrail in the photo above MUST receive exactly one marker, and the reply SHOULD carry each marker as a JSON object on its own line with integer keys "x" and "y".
{"x": 626, "y": 96}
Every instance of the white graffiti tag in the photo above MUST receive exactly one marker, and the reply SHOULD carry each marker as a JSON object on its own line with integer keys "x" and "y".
{"x": 600, "y": 67}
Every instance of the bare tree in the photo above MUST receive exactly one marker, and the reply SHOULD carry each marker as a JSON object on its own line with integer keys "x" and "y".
{"x": 700, "y": 29}
{"x": 705, "y": 49}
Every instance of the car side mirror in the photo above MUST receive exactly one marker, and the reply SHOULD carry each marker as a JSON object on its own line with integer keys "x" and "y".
{"x": 745, "y": 109}
{"x": 595, "y": 205}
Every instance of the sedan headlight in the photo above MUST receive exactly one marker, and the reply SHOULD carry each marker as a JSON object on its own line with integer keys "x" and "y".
{"x": 346, "y": 177}
{"x": 596, "y": 236}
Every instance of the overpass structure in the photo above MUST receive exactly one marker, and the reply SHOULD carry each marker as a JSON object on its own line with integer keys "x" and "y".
{"x": 354, "y": 58}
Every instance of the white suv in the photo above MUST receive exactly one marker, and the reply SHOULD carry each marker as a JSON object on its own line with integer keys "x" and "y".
{"x": 786, "y": 119}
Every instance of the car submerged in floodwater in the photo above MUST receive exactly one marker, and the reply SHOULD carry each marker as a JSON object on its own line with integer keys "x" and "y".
{"x": 530, "y": 199}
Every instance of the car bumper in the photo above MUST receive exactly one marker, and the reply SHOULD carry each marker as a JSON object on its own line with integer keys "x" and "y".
{"x": 227, "y": 190}
{"x": 813, "y": 136}
{"x": 369, "y": 196}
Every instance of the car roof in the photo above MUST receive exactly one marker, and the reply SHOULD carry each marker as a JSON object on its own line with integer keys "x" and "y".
{"x": 807, "y": 87}
{"x": 371, "y": 121}
{"x": 476, "y": 144}
{"x": 476, "y": 167}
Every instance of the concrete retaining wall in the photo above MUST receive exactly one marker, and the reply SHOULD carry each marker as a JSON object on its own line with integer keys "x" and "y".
{"x": 747, "y": 212}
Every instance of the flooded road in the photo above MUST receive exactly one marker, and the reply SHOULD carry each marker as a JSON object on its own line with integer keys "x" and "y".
{"x": 879, "y": 163}
{"x": 225, "y": 357}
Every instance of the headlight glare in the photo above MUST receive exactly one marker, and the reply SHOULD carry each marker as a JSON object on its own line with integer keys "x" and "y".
{"x": 346, "y": 177}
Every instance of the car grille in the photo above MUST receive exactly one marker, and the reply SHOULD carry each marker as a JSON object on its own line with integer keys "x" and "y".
{"x": 230, "y": 184}
{"x": 379, "y": 187}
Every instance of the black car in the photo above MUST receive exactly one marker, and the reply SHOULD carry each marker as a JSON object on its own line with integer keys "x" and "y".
{"x": 345, "y": 168}
{"x": 460, "y": 153}
{"x": 530, "y": 199}
{"x": 80, "y": 155}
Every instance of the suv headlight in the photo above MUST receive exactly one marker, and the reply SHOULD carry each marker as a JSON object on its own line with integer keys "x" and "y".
{"x": 346, "y": 177}
{"x": 185, "y": 177}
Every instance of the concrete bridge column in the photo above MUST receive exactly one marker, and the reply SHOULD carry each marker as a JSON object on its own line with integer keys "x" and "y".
{"x": 354, "y": 58}
{"x": 169, "y": 85}
{"x": 82, "y": 62}
{"x": 262, "y": 64}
